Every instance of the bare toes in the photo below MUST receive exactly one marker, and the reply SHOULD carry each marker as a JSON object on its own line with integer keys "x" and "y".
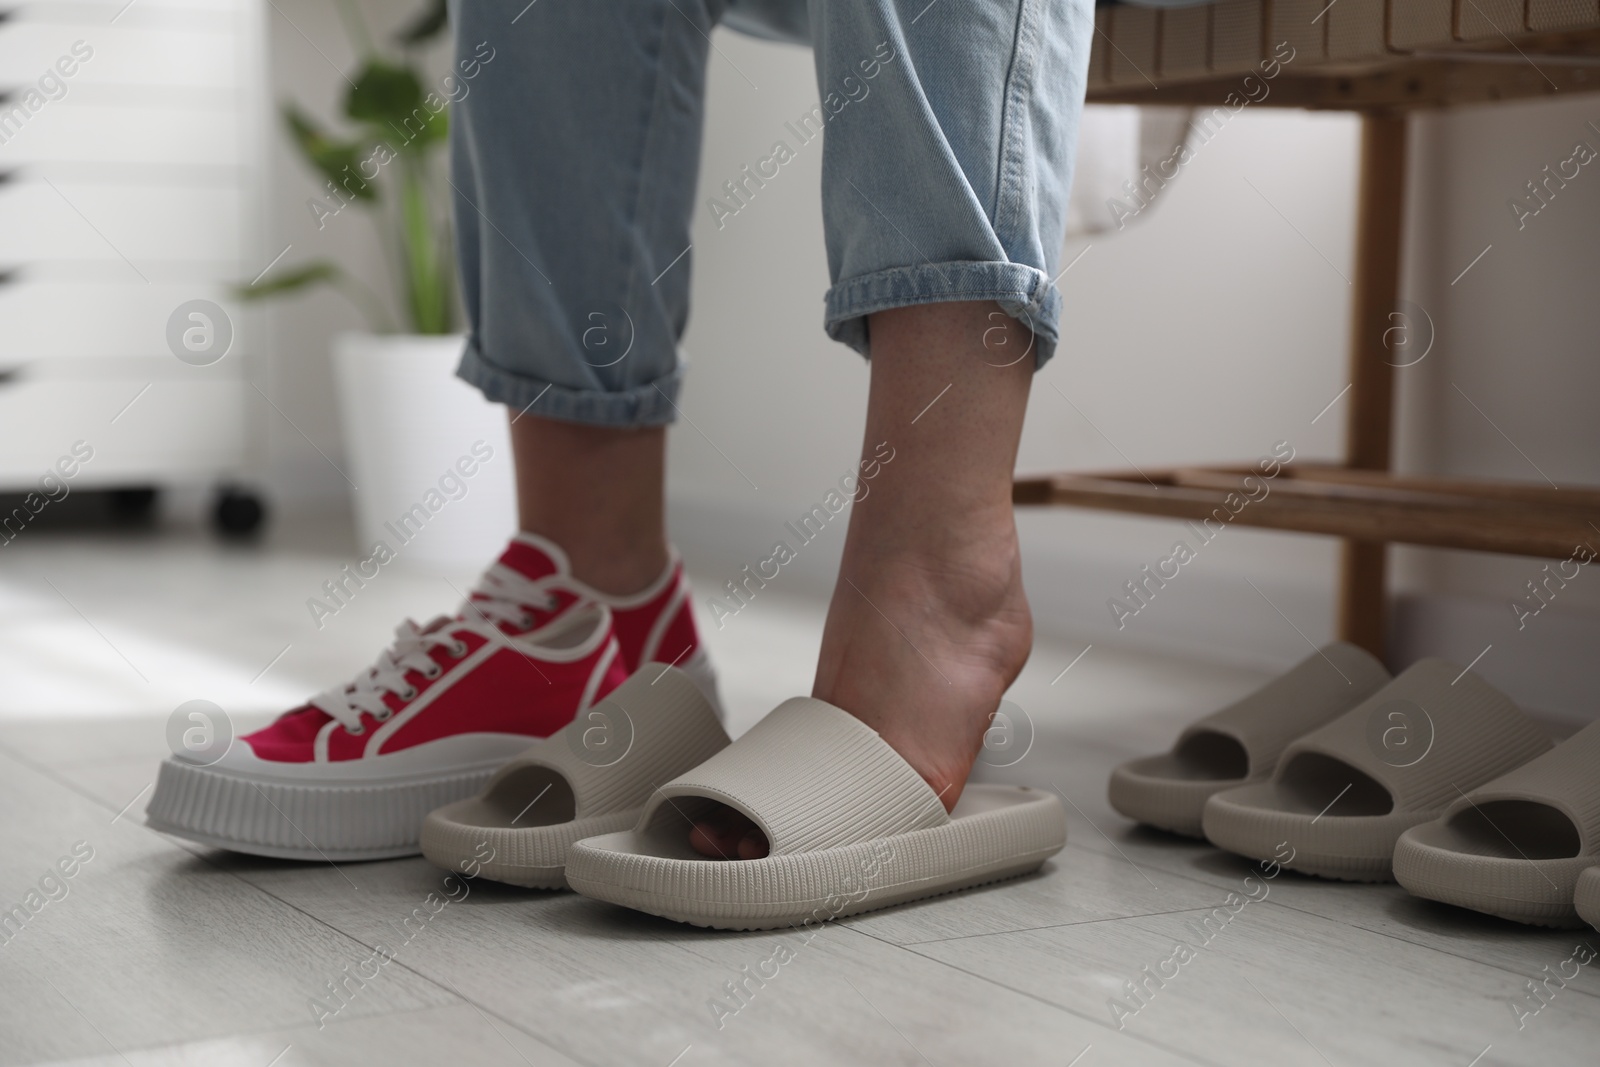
{"x": 726, "y": 834}
{"x": 753, "y": 845}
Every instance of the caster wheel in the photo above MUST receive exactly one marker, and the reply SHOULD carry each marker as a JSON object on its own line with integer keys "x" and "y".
{"x": 133, "y": 504}
{"x": 238, "y": 513}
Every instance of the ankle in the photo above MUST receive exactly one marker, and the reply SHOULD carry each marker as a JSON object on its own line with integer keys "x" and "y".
{"x": 597, "y": 492}
{"x": 613, "y": 566}
{"x": 967, "y": 571}
{"x": 922, "y": 646}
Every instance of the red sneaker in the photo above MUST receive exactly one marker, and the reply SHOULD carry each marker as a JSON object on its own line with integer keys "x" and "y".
{"x": 352, "y": 773}
{"x": 656, "y": 625}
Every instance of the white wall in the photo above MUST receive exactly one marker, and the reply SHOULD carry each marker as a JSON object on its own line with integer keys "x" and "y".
{"x": 1518, "y": 337}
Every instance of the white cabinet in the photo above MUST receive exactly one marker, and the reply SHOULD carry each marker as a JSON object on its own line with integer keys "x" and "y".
{"x": 130, "y": 170}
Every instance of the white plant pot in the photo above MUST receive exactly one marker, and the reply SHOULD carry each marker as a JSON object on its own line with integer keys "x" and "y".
{"x": 429, "y": 456}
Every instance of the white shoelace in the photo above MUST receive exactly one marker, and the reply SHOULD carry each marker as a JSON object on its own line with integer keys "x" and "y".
{"x": 502, "y": 595}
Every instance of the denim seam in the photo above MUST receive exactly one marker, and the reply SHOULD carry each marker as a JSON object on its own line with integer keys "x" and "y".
{"x": 1012, "y": 176}
{"x": 652, "y": 128}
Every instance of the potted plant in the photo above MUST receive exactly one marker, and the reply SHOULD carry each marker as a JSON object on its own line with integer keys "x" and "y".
{"x": 407, "y": 419}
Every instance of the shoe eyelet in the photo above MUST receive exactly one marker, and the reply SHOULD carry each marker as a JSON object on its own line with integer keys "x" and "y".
{"x": 357, "y": 730}
{"x": 458, "y": 649}
{"x": 526, "y": 622}
{"x": 409, "y": 693}
{"x": 433, "y": 672}
{"x": 384, "y": 715}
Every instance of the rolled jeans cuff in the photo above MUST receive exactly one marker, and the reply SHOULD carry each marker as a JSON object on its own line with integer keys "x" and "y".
{"x": 652, "y": 404}
{"x": 1023, "y": 292}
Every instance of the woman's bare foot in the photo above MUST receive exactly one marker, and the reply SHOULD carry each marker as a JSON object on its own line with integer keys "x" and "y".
{"x": 921, "y": 651}
{"x": 928, "y": 625}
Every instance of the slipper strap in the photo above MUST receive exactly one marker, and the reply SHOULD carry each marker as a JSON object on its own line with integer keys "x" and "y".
{"x": 615, "y": 754}
{"x": 812, "y": 776}
{"x": 1470, "y": 733}
{"x": 1566, "y": 778}
{"x": 1295, "y": 703}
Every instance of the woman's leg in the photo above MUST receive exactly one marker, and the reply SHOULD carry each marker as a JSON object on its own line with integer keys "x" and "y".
{"x": 597, "y": 492}
{"x": 929, "y": 625}
{"x": 575, "y": 151}
{"x": 950, "y": 137}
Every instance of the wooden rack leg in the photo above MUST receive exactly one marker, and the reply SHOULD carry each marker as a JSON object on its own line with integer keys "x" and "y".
{"x": 1362, "y": 604}
{"x": 1369, "y": 429}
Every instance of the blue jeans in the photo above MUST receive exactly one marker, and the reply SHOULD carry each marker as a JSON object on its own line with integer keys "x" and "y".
{"x": 951, "y": 130}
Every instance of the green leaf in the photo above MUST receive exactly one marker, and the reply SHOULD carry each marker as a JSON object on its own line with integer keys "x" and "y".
{"x": 362, "y": 298}
{"x": 383, "y": 93}
{"x": 428, "y": 24}
{"x": 391, "y": 99}
{"x": 338, "y": 161}
{"x": 417, "y": 132}
{"x": 289, "y": 281}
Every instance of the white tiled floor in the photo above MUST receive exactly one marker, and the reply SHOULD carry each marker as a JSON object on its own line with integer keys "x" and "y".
{"x": 160, "y": 953}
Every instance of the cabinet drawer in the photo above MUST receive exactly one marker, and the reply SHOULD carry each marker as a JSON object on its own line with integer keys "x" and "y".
{"x": 52, "y": 320}
{"x": 178, "y": 429}
{"x": 101, "y": 12}
{"x": 72, "y": 221}
{"x": 68, "y": 132}
{"x": 124, "y": 54}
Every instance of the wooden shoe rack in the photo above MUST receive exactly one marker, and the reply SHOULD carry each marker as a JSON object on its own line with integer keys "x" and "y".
{"x": 1382, "y": 59}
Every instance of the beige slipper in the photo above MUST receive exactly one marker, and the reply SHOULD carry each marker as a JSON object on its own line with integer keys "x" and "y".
{"x": 1586, "y": 898}
{"x": 590, "y": 777}
{"x": 1240, "y": 744}
{"x": 849, "y": 825}
{"x": 1514, "y": 847}
{"x": 1343, "y": 794}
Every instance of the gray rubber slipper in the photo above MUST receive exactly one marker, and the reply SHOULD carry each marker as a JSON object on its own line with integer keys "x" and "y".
{"x": 1586, "y": 898}
{"x": 849, "y": 825}
{"x": 1514, "y": 847}
{"x": 1343, "y": 794}
{"x": 1240, "y": 744}
{"x": 590, "y": 777}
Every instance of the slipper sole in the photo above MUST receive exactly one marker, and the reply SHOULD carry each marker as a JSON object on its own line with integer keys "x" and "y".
{"x": 1536, "y": 892}
{"x": 1017, "y": 830}
{"x": 1344, "y": 848}
{"x": 533, "y": 857}
{"x": 1586, "y": 898}
{"x": 1172, "y": 804}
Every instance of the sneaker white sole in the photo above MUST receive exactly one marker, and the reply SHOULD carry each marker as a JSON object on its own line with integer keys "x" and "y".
{"x": 309, "y": 819}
